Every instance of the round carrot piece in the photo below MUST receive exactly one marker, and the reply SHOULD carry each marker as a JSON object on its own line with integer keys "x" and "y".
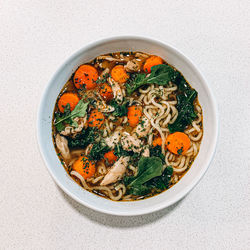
{"x": 96, "y": 119}
{"x": 106, "y": 92}
{"x": 134, "y": 115}
{"x": 119, "y": 74}
{"x": 66, "y": 98}
{"x": 157, "y": 141}
{"x": 84, "y": 167}
{"x": 150, "y": 62}
{"x": 178, "y": 143}
{"x": 86, "y": 76}
{"x": 111, "y": 157}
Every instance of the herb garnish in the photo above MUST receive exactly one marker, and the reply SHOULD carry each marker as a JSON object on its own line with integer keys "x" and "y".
{"x": 120, "y": 109}
{"x": 103, "y": 79}
{"x": 67, "y": 116}
{"x": 98, "y": 150}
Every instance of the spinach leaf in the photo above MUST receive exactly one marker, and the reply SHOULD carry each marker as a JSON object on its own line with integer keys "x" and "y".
{"x": 160, "y": 74}
{"x": 83, "y": 139}
{"x": 67, "y": 117}
{"x": 156, "y": 184}
{"x": 148, "y": 168}
{"x": 161, "y": 182}
{"x": 186, "y": 113}
{"x": 120, "y": 110}
{"x": 80, "y": 109}
{"x": 98, "y": 150}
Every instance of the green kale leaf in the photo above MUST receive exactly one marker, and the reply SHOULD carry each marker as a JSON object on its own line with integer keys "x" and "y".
{"x": 98, "y": 150}
{"x": 83, "y": 139}
{"x": 156, "y": 151}
{"x": 160, "y": 74}
{"x": 120, "y": 110}
{"x": 186, "y": 112}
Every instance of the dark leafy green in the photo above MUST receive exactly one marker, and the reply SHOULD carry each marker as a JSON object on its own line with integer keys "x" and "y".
{"x": 156, "y": 151}
{"x": 148, "y": 168}
{"x": 120, "y": 110}
{"x": 186, "y": 112}
{"x": 119, "y": 151}
{"x": 156, "y": 184}
{"x": 161, "y": 182}
{"x": 98, "y": 150}
{"x": 182, "y": 83}
{"x": 160, "y": 74}
{"x": 67, "y": 116}
{"x": 59, "y": 116}
{"x": 139, "y": 190}
{"x": 83, "y": 139}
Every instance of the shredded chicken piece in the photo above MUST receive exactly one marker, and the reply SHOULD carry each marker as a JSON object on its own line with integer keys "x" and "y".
{"x": 82, "y": 123}
{"x": 131, "y": 143}
{"x": 116, "y": 90}
{"x": 112, "y": 59}
{"x": 142, "y": 128}
{"x": 132, "y": 66}
{"x": 62, "y": 145}
{"x": 146, "y": 152}
{"x": 141, "y": 55}
{"x": 112, "y": 140}
{"x": 116, "y": 171}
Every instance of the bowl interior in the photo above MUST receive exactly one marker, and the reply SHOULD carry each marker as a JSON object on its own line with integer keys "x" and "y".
{"x": 164, "y": 199}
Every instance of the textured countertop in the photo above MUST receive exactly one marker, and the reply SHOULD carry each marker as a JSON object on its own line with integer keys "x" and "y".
{"x": 36, "y": 37}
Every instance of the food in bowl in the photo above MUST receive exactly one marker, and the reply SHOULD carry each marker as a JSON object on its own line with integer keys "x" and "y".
{"x": 127, "y": 126}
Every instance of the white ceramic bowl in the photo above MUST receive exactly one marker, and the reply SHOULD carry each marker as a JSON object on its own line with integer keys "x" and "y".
{"x": 190, "y": 179}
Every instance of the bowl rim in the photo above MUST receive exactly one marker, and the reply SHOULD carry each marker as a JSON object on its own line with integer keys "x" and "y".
{"x": 188, "y": 188}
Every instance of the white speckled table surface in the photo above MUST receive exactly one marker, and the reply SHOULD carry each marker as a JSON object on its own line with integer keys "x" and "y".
{"x": 36, "y": 37}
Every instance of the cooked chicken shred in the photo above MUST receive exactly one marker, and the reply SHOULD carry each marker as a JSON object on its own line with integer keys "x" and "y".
{"x": 142, "y": 129}
{"x": 132, "y": 66}
{"x": 114, "y": 139}
{"x": 141, "y": 55}
{"x": 117, "y": 91}
{"x": 131, "y": 143}
{"x": 116, "y": 171}
{"x": 62, "y": 145}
